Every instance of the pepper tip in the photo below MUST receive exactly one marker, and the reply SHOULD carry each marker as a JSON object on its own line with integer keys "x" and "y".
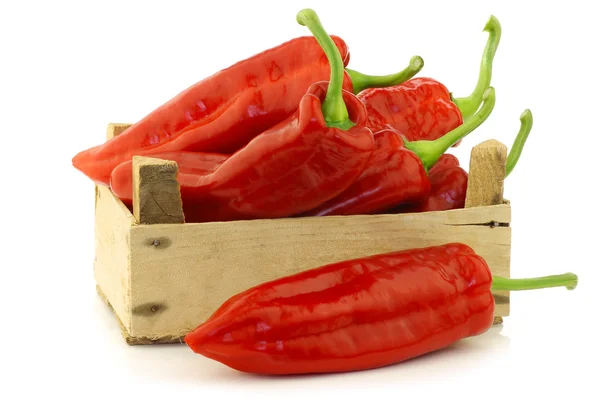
{"x": 490, "y": 92}
{"x": 573, "y": 283}
{"x": 305, "y": 14}
{"x": 492, "y": 25}
{"x": 417, "y": 63}
{"x": 526, "y": 115}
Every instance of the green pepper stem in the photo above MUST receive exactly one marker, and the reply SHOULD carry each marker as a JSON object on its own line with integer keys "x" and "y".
{"x": 568, "y": 280}
{"x": 469, "y": 105}
{"x": 429, "y": 151}
{"x": 334, "y": 108}
{"x": 519, "y": 143}
{"x": 361, "y": 82}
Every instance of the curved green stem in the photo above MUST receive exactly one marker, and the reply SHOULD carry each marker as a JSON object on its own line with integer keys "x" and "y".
{"x": 469, "y": 105}
{"x": 568, "y": 280}
{"x": 429, "y": 151}
{"x": 334, "y": 108}
{"x": 361, "y": 82}
{"x": 519, "y": 143}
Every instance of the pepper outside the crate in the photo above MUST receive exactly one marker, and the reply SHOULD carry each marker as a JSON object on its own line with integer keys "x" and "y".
{"x": 296, "y": 165}
{"x": 449, "y": 180}
{"x": 397, "y": 170}
{"x": 359, "y": 314}
{"x": 224, "y": 112}
{"x": 423, "y": 108}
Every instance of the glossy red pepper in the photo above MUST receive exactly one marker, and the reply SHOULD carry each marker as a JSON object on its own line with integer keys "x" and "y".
{"x": 191, "y": 165}
{"x": 397, "y": 171}
{"x": 359, "y": 314}
{"x": 449, "y": 180}
{"x": 286, "y": 170}
{"x": 423, "y": 108}
{"x": 222, "y": 113}
{"x": 296, "y": 165}
{"x": 448, "y": 187}
{"x": 393, "y": 175}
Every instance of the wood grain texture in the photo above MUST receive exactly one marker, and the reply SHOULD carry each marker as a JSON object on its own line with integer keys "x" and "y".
{"x": 486, "y": 174}
{"x": 131, "y": 339}
{"x": 156, "y": 195}
{"x": 182, "y": 273}
{"x": 112, "y": 260}
{"x": 163, "y": 279}
{"x": 114, "y": 129}
{"x": 485, "y": 187}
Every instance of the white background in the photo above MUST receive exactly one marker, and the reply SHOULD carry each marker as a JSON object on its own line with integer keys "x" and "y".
{"x": 68, "y": 69}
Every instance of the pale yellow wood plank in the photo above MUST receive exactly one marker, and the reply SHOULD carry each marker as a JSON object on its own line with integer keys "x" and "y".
{"x": 182, "y": 273}
{"x": 112, "y": 252}
{"x": 115, "y": 129}
{"x": 500, "y": 213}
{"x": 486, "y": 174}
{"x": 156, "y": 195}
{"x": 485, "y": 187}
{"x": 163, "y": 280}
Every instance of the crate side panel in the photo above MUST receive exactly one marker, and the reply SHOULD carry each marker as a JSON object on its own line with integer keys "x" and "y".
{"x": 182, "y": 273}
{"x": 112, "y": 240}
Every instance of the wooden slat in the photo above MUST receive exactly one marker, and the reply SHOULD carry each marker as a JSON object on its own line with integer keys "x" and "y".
{"x": 156, "y": 195}
{"x": 112, "y": 249}
{"x": 182, "y": 273}
{"x": 163, "y": 277}
{"x": 486, "y": 174}
{"x": 485, "y": 187}
{"x": 115, "y": 129}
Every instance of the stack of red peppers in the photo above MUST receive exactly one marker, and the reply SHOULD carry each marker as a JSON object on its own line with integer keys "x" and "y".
{"x": 293, "y": 132}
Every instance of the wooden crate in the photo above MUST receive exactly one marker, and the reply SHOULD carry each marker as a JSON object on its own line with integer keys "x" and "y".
{"x": 162, "y": 277}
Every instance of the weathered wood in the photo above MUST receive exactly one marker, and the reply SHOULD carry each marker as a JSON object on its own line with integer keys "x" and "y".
{"x": 115, "y": 129}
{"x": 131, "y": 339}
{"x": 164, "y": 279}
{"x": 485, "y": 187}
{"x": 486, "y": 174}
{"x": 182, "y": 273}
{"x": 112, "y": 262}
{"x": 156, "y": 195}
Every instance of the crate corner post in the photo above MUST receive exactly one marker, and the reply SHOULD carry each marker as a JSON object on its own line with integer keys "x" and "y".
{"x": 156, "y": 195}
{"x": 156, "y": 202}
{"x": 112, "y": 227}
{"x": 485, "y": 187}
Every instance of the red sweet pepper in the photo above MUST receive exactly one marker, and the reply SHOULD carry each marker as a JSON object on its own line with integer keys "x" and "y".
{"x": 448, "y": 187}
{"x": 191, "y": 165}
{"x": 359, "y": 314}
{"x": 222, "y": 113}
{"x": 397, "y": 171}
{"x": 296, "y": 165}
{"x": 423, "y": 108}
{"x": 449, "y": 181}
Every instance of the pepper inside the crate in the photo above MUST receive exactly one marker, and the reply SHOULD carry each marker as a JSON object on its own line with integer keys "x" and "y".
{"x": 359, "y": 314}
{"x": 295, "y": 166}
{"x": 222, "y": 113}
{"x": 397, "y": 171}
{"x": 423, "y": 108}
{"x": 191, "y": 165}
{"x": 449, "y": 180}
